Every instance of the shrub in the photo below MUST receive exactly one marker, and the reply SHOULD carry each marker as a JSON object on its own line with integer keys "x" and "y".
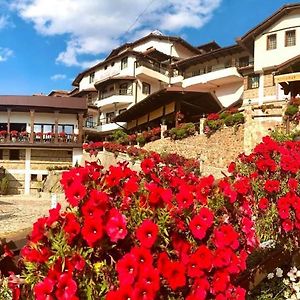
{"x": 182, "y": 131}
{"x": 4, "y": 184}
{"x": 291, "y": 110}
{"x": 119, "y": 136}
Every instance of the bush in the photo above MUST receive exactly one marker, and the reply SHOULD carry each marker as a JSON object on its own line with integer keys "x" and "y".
{"x": 119, "y": 136}
{"x": 291, "y": 110}
{"x": 182, "y": 131}
{"x": 4, "y": 184}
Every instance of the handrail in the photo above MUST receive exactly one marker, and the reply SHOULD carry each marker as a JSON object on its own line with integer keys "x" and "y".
{"x": 121, "y": 92}
{"x": 152, "y": 66}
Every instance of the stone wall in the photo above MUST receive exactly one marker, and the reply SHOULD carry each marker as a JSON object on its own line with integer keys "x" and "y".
{"x": 214, "y": 152}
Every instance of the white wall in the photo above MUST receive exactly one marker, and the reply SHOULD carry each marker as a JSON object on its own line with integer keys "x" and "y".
{"x": 267, "y": 58}
{"x": 229, "y": 93}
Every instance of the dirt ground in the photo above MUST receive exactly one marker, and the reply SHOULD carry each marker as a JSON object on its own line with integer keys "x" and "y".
{"x": 19, "y": 212}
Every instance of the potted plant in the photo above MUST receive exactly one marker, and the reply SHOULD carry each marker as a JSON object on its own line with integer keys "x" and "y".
{"x": 14, "y": 134}
{"x": 2, "y": 135}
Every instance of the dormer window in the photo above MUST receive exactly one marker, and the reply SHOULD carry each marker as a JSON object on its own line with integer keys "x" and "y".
{"x": 92, "y": 77}
{"x": 124, "y": 63}
{"x": 271, "y": 42}
{"x": 290, "y": 38}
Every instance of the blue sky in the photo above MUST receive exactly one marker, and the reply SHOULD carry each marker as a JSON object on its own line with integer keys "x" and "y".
{"x": 44, "y": 44}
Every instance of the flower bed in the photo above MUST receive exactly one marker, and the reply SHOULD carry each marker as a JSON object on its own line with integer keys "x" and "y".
{"x": 182, "y": 131}
{"x": 216, "y": 121}
{"x": 165, "y": 232}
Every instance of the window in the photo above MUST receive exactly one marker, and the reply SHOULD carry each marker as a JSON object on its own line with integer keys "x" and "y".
{"x": 146, "y": 88}
{"x": 109, "y": 117}
{"x": 1, "y": 153}
{"x": 271, "y": 42}
{"x": 253, "y": 81}
{"x": 123, "y": 89}
{"x": 92, "y": 77}
{"x": 14, "y": 154}
{"x": 124, "y": 63}
{"x": 34, "y": 177}
{"x": 208, "y": 69}
{"x": 243, "y": 61}
{"x": 68, "y": 129}
{"x": 290, "y": 38}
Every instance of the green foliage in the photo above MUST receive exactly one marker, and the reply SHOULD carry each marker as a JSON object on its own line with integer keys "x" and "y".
{"x": 182, "y": 131}
{"x": 141, "y": 139}
{"x": 291, "y": 110}
{"x": 119, "y": 136}
{"x": 280, "y": 136}
{"x": 5, "y": 292}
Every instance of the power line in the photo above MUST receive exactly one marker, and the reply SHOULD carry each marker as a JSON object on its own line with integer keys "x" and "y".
{"x": 138, "y": 17}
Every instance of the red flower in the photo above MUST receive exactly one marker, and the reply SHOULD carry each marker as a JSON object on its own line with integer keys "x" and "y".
{"x": 272, "y": 186}
{"x": 43, "y": 290}
{"x": 143, "y": 291}
{"x": 201, "y": 260}
{"x": 143, "y": 256}
{"x": 75, "y": 193}
{"x": 198, "y": 227}
{"x": 38, "y": 230}
{"x": 116, "y": 226}
{"x": 53, "y": 215}
{"x": 220, "y": 282}
{"x": 263, "y": 204}
{"x": 147, "y": 233}
{"x": 71, "y": 226}
{"x": 127, "y": 268}
{"x": 150, "y": 276}
{"x": 147, "y": 165}
{"x": 287, "y": 225}
{"x": 226, "y": 236}
{"x": 175, "y": 274}
{"x": 92, "y": 231}
{"x": 66, "y": 287}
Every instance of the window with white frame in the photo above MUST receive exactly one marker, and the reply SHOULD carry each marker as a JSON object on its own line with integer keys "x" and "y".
{"x": 124, "y": 63}
{"x": 290, "y": 38}
{"x": 271, "y": 42}
{"x": 92, "y": 77}
{"x": 253, "y": 81}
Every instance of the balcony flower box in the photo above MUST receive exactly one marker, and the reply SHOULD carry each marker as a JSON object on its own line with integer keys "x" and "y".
{"x": 61, "y": 136}
{"x": 14, "y": 134}
{"x": 3, "y": 134}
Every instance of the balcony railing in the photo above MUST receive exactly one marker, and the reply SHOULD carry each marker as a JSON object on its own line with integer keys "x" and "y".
{"x": 152, "y": 66}
{"x": 90, "y": 124}
{"x": 120, "y": 92}
{"x": 203, "y": 71}
{"x": 39, "y": 138}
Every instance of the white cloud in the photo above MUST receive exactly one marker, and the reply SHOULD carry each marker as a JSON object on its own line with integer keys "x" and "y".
{"x": 58, "y": 77}
{"x": 95, "y": 27}
{"x": 4, "y": 21}
{"x": 5, "y": 53}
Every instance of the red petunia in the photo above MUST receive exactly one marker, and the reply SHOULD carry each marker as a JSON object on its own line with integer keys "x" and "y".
{"x": 116, "y": 226}
{"x": 92, "y": 231}
{"x": 198, "y": 227}
{"x": 175, "y": 274}
{"x": 147, "y": 233}
{"x": 127, "y": 268}
{"x": 66, "y": 287}
{"x": 71, "y": 226}
{"x": 75, "y": 193}
{"x": 43, "y": 290}
{"x": 272, "y": 186}
{"x": 263, "y": 204}
{"x": 147, "y": 165}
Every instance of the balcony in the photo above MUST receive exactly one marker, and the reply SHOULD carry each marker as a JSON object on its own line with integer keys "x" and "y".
{"x": 213, "y": 79}
{"x": 39, "y": 139}
{"x": 115, "y": 96}
{"x": 105, "y": 125}
{"x": 146, "y": 70}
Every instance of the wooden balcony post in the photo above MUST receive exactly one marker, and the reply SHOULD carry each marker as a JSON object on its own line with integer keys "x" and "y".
{"x": 80, "y": 127}
{"x": 31, "y": 126}
{"x": 56, "y": 115}
{"x": 8, "y": 123}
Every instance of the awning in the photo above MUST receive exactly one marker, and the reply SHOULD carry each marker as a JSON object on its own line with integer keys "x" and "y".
{"x": 287, "y": 77}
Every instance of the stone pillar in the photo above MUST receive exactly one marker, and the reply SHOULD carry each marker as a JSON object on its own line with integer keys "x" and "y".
{"x": 248, "y": 130}
{"x": 163, "y": 128}
{"x": 201, "y": 125}
{"x": 31, "y": 126}
{"x": 56, "y": 116}
{"x": 80, "y": 127}
{"x": 27, "y": 171}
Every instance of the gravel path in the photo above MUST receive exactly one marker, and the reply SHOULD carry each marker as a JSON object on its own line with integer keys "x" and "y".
{"x": 20, "y": 212}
